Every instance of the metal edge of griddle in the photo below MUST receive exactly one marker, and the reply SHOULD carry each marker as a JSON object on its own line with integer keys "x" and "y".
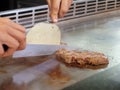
{"x": 71, "y": 22}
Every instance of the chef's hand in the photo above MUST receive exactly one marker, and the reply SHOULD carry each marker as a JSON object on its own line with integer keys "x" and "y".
{"x": 12, "y": 35}
{"x": 58, "y": 8}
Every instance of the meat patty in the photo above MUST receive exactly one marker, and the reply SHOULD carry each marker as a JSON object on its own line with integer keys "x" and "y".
{"x": 81, "y": 59}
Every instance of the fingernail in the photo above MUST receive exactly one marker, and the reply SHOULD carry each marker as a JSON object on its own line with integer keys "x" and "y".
{"x": 55, "y": 20}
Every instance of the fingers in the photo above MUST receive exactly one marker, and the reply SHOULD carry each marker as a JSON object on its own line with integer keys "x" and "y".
{"x": 58, "y": 8}
{"x": 12, "y": 43}
{"x": 49, "y": 4}
{"x": 12, "y": 24}
{"x": 12, "y": 35}
{"x": 16, "y": 26}
{"x": 22, "y": 45}
{"x": 65, "y": 5}
{"x": 54, "y": 10}
{"x": 19, "y": 36}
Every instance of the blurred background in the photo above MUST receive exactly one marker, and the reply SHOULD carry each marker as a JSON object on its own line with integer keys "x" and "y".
{"x": 14, "y": 4}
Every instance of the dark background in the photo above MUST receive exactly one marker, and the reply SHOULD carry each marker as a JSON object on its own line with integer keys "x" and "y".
{"x": 14, "y": 4}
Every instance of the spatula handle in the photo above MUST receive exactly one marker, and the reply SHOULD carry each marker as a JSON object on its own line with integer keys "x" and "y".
{"x": 5, "y": 47}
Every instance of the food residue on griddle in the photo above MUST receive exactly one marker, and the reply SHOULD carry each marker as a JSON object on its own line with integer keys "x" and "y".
{"x": 58, "y": 77}
{"x": 3, "y": 71}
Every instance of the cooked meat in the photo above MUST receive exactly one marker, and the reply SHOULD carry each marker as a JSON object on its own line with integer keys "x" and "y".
{"x": 81, "y": 59}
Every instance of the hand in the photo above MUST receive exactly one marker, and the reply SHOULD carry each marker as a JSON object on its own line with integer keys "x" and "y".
{"x": 12, "y": 35}
{"x": 58, "y": 8}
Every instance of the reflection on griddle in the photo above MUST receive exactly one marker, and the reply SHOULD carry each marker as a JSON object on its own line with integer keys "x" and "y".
{"x": 51, "y": 75}
{"x": 9, "y": 85}
{"x": 27, "y": 61}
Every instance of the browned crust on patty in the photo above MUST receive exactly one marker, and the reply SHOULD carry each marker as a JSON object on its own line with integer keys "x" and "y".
{"x": 84, "y": 59}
